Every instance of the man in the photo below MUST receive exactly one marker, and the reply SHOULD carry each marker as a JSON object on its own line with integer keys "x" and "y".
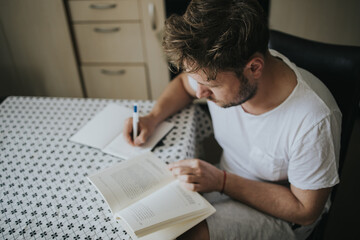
{"x": 278, "y": 125}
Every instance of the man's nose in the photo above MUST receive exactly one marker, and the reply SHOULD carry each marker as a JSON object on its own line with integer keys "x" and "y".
{"x": 202, "y": 91}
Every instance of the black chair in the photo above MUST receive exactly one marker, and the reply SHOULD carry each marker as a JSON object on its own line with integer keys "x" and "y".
{"x": 339, "y": 69}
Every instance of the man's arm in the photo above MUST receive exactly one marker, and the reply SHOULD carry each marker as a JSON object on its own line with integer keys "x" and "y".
{"x": 176, "y": 96}
{"x": 291, "y": 204}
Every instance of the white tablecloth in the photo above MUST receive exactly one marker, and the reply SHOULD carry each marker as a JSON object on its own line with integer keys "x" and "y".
{"x": 44, "y": 192}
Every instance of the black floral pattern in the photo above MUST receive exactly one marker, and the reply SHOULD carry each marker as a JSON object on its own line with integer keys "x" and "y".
{"x": 44, "y": 193}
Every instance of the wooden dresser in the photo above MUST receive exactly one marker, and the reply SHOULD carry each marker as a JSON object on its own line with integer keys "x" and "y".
{"x": 119, "y": 47}
{"x": 82, "y": 48}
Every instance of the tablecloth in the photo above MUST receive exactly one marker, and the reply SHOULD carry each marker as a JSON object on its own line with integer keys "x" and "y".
{"x": 44, "y": 190}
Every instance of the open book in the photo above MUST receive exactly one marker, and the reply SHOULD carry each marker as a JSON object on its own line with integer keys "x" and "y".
{"x": 104, "y": 132}
{"x": 148, "y": 201}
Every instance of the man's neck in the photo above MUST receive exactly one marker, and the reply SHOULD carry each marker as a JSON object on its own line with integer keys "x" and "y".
{"x": 275, "y": 85}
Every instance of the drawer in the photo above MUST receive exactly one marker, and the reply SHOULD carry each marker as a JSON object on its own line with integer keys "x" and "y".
{"x": 109, "y": 43}
{"x": 125, "y": 82}
{"x": 104, "y": 10}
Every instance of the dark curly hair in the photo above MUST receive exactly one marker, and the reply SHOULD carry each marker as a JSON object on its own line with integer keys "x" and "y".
{"x": 216, "y": 35}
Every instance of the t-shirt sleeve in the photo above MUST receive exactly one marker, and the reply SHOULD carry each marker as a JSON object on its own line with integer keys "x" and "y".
{"x": 192, "y": 82}
{"x": 314, "y": 157}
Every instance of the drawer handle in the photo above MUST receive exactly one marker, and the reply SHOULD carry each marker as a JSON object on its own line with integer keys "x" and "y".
{"x": 102, "y": 7}
{"x": 152, "y": 14}
{"x": 112, "y": 73}
{"x": 107, "y": 30}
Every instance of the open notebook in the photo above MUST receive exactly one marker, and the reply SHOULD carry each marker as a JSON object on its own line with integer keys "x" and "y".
{"x": 104, "y": 132}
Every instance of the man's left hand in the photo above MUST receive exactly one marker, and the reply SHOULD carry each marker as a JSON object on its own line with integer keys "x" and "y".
{"x": 198, "y": 175}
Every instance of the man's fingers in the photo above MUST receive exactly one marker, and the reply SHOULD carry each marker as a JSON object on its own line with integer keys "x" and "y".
{"x": 127, "y": 132}
{"x": 192, "y": 163}
{"x": 188, "y": 178}
{"x": 128, "y": 125}
{"x": 177, "y": 171}
{"x": 195, "y": 187}
{"x": 142, "y": 137}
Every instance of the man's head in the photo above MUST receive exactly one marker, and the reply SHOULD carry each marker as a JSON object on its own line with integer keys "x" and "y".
{"x": 226, "y": 90}
{"x": 216, "y": 36}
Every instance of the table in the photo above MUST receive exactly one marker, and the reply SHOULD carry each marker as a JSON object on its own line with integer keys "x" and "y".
{"x": 44, "y": 190}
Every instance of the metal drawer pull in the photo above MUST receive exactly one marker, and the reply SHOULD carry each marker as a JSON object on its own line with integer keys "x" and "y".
{"x": 112, "y": 73}
{"x": 107, "y": 30}
{"x": 152, "y": 14}
{"x": 102, "y": 7}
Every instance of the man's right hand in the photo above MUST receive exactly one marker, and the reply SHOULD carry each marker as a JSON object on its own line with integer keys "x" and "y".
{"x": 175, "y": 97}
{"x": 146, "y": 127}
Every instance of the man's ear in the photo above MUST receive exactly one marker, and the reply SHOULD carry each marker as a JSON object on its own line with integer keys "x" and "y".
{"x": 255, "y": 67}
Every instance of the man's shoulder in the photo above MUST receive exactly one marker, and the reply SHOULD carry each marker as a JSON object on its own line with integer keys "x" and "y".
{"x": 312, "y": 101}
{"x": 310, "y": 93}
{"x": 316, "y": 93}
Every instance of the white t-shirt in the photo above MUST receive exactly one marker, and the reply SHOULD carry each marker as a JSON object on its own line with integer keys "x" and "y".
{"x": 298, "y": 141}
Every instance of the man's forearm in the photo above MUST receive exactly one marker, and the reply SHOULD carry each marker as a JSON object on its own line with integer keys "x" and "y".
{"x": 290, "y": 204}
{"x": 173, "y": 99}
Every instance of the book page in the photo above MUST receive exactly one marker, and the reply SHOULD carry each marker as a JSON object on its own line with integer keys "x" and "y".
{"x": 173, "y": 231}
{"x": 103, "y": 127}
{"x": 129, "y": 181}
{"x": 120, "y": 148}
{"x": 163, "y": 208}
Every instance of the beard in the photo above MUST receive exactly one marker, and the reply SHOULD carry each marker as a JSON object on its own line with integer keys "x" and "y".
{"x": 245, "y": 92}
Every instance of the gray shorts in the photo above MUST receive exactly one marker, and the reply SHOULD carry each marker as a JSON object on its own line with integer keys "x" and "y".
{"x": 234, "y": 220}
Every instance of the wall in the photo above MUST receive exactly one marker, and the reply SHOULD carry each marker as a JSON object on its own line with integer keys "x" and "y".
{"x": 329, "y": 21}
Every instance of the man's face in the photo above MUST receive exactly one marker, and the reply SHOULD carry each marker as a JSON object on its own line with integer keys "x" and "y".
{"x": 226, "y": 90}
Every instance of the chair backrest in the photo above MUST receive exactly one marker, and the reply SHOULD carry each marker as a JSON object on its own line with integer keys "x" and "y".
{"x": 338, "y": 67}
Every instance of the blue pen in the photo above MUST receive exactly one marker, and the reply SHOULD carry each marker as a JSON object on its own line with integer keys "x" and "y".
{"x": 135, "y": 121}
